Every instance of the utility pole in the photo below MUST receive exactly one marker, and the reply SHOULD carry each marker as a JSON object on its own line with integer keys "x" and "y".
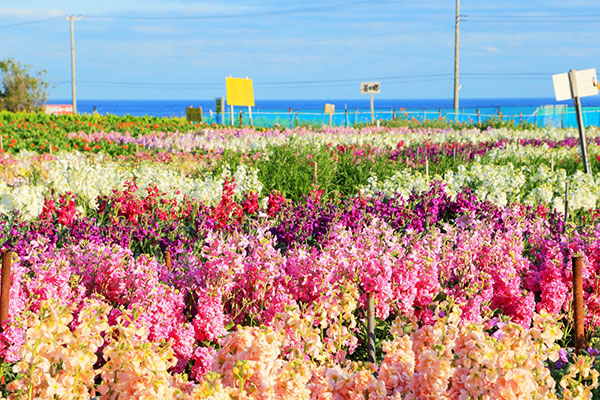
{"x": 72, "y": 18}
{"x": 456, "y": 26}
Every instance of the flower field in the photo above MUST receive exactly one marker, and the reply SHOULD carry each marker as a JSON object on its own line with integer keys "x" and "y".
{"x": 156, "y": 259}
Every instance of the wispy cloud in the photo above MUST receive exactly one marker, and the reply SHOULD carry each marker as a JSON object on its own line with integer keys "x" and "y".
{"x": 157, "y": 29}
{"x": 490, "y": 49}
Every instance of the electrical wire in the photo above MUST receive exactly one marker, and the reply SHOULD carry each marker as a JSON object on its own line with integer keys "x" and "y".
{"x": 388, "y": 80}
{"x": 302, "y": 10}
{"x": 531, "y": 18}
{"x": 37, "y": 21}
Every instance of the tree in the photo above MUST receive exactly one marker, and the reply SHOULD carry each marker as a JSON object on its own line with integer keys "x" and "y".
{"x": 20, "y": 90}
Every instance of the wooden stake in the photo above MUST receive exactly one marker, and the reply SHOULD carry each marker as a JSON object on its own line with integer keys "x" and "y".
{"x": 371, "y": 327}
{"x": 372, "y": 110}
{"x": 137, "y": 148}
{"x": 552, "y": 162}
{"x": 427, "y": 166}
{"x": 330, "y": 118}
{"x": 315, "y": 173}
{"x": 566, "y": 204}
{"x": 250, "y": 115}
{"x": 347, "y": 120}
{"x": 579, "y": 333}
{"x": 168, "y": 261}
{"x": 5, "y": 286}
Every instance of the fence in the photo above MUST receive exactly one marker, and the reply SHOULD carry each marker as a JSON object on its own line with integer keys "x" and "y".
{"x": 559, "y": 116}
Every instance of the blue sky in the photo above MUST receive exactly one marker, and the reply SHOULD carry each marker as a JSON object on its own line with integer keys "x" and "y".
{"x": 301, "y": 49}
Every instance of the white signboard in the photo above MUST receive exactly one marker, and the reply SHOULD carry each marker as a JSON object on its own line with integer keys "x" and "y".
{"x": 59, "y": 109}
{"x": 370, "y": 87}
{"x": 585, "y": 80}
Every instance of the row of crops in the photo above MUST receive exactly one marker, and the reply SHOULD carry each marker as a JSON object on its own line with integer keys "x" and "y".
{"x": 156, "y": 259}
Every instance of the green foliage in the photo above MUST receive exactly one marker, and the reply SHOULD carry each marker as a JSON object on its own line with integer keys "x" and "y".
{"x": 444, "y": 123}
{"x": 21, "y": 91}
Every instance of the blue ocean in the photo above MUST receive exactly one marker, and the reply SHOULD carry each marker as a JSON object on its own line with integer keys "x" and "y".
{"x": 541, "y": 111}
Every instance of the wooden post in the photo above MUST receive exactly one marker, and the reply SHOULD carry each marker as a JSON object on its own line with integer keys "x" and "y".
{"x": 372, "y": 110}
{"x": 232, "y": 121}
{"x": 579, "y": 333}
{"x": 427, "y": 166}
{"x": 137, "y": 147}
{"x": 453, "y": 153}
{"x": 241, "y": 119}
{"x": 315, "y": 174}
{"x": 250, "y": 115}
{"x": 580, "y": 126}
{"x": 168, "y": 261}
{"x": 330, "y": 118}
{"x": 552, "y": 162}
{"x": 566, "y": 204}
{"x": 5, "y": 286}
{"x": 371, "y": 327}
{"x": 346, "y": 114}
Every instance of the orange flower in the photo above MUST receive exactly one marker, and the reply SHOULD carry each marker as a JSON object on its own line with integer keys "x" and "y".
{"x": 87, "y": 148}
{"x": 125, "y": 146}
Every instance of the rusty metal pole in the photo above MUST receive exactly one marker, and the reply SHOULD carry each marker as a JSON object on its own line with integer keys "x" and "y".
{"x": 371, "y": 327}
{"x": 5, "y": 286}
{"x": 579, "y": 333}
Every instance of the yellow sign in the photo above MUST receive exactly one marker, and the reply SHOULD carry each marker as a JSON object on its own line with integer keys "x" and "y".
{"x": 239, "y": 92}
{"x": 193, "y": 114}
{"x": 329, "y": 108}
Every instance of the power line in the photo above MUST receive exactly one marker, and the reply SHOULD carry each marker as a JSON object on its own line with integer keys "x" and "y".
{"x": 531, "y": 18}
{"x": 37, "y": 21}
{"x": 302, "y": 10}
{"x": 320, "y": 83}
